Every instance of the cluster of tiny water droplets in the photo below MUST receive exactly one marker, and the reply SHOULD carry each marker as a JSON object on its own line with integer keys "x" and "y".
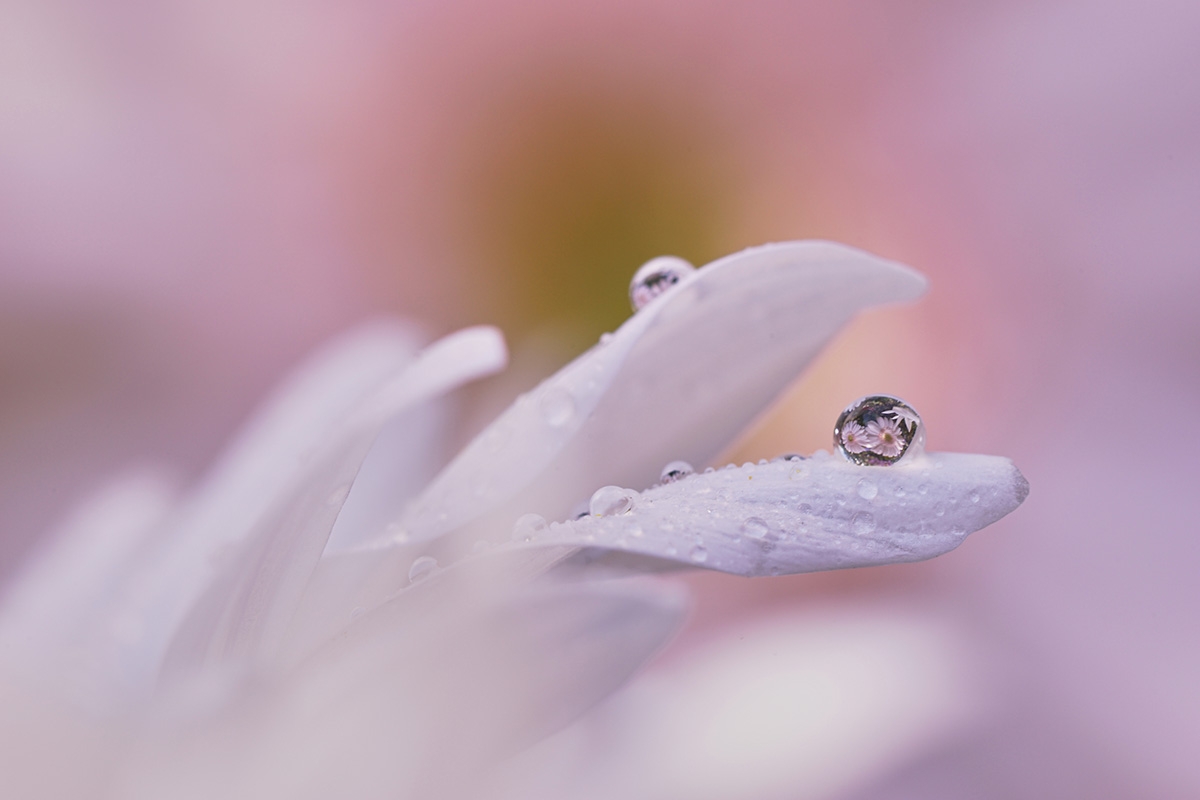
{"x": 655, "y": 277}
{"x": 609, "y": 501}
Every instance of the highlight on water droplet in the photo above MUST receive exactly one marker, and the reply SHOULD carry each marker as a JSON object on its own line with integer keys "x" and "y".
{"x": 755, "y": 528}
{"x": 655, "y": 277}
{"x": 867, "y": 490}
{"x": 675, "y": 471}
{"x": 609, "y": 501}
{"x": 863, "y": 523}
{"x": 527, "y": 527}
{"x": 557, "y": 406}
{"x": 422, "y": 568}
{"x": 879, "y": 431}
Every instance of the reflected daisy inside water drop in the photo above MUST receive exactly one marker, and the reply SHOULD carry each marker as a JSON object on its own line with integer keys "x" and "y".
{"x": 879, "y": 430}
{"x": 655, "y": 277}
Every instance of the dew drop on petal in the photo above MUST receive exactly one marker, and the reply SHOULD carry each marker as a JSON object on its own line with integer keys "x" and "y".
{"x": 755, "y": 528}
{"x": 527, "y": 527}
{"x": 699, "y": 554}
{"x": 863, "y": 523}
{"x": 675, "y": 471}
{"x": 609, "y": 501}
{"x": 557, "y": 406}
{"x": 867, "y": 490}
{"x": 422, "y": 568}
{"x": 879, "y": 431}
{"x": 655, "y": 277}
{"x": 338, "y": 495}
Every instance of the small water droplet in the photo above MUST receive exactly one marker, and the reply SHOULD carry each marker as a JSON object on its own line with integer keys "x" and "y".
{"x": 974, "y": 497}
{"x": 939, "y": 510}
{"x": 396, "y": 532}
{"x": 709, "y": 470}
{"x": 867, "y": 490}
{"x": 609, "y": 501}
{"x": 864, "y": 523}
{"x": 605, "y": 338}
{"x": 699, "y": 554}
{"x": 923, "y": 488}
{"x": 900, "y": 492}
{"x": 528, "y": 527}
{"x": 878, "y": 430}
{"x": 421, "y": 568}
{"x": 557, "y": 405}
{"x": 356, "y": 612}
{"x": 655, "y": 277}
{"x": 675, "y": 471}
{"x": 338, "y": 495}
{"x": 805, "y": 508}
{"x": 762, "y": 462}
{"x": 755, "y": 528}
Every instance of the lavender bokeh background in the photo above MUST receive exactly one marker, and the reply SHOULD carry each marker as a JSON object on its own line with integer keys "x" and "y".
{"x": 192, "y": 195}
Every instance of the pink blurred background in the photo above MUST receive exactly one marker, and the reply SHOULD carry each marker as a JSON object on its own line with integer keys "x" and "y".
{"x": 194, "y": 194}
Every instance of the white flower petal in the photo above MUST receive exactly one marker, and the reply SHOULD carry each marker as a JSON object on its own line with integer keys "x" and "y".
{"x": 250, "y": 603}
{"x": 804, "y": 705}
{"x": 806, "y": 515}
{"x": 677, "y": 381}
{"x": 56, "y": 607}
{"x": 419, "y": 699}
{"x": 283, "y": 453}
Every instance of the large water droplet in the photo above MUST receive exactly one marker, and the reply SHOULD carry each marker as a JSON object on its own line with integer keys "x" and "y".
{"x": 879, "y": 430}
{"x": 421, "y": 568}
{"x": 557, "y": 406}
{"x": 655, "y": 277}
{"x": 754, "y": 528}
{"x": 527, "y": 527}
{"x": 867, "y": 490}
{"x": 674, "y": 471}
{"x": 864, "y": 523}
{"x": 609, "y": 501}
{"x": 699, "y": 554}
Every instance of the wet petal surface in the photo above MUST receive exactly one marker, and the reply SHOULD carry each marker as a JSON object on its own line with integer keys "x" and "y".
{"x": 679, "y": 380}
{"x": 803, "y": 515}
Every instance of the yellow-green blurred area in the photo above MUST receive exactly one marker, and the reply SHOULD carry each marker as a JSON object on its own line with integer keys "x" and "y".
{"x": 567, "y": 189}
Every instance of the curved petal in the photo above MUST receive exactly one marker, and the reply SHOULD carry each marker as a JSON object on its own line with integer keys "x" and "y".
{"x": 804, "y": 515}
{"x": 54, "y": 613}
{"x": 251, "y": 601}
{"x": 420, "y": 699}
{"x": 678, "y": 380}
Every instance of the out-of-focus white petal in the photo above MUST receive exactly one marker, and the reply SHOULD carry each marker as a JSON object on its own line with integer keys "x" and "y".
{"x": 253, "y": 594}
{"x": 799, "y": 706}
{"x": 790, "y": 516}
{"x": 677, "y": 381}
{"x": 56, "y": 607}
{"x": 418, "y": 699}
